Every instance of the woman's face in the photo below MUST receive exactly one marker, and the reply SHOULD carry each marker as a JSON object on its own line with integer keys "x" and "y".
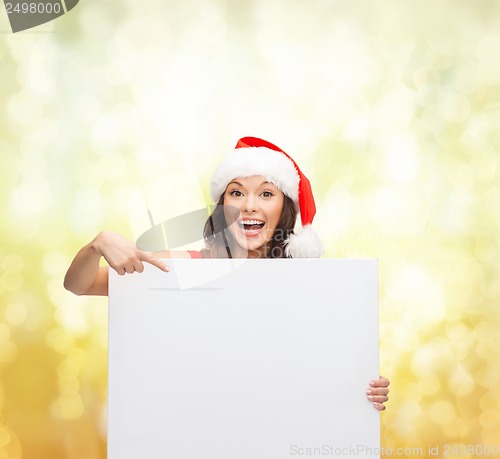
{"x": 259, "y": 204}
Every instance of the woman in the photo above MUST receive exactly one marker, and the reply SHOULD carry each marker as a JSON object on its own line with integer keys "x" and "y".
{"x": 259, "y": 190}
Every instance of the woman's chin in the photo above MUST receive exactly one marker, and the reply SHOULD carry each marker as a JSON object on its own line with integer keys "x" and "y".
{"x": 249, "y": 244}
{"x": 252, "y": 246}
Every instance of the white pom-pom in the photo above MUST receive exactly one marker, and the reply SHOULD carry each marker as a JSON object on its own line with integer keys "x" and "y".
{"x": 305, "y": 244}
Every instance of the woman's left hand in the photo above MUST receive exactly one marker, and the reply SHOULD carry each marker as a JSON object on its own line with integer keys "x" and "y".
{"x": 378, "y": 392}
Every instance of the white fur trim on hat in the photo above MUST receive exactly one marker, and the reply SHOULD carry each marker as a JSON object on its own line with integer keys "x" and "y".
{"x": 245, "y": 162}
{"x": 305, "y": 244}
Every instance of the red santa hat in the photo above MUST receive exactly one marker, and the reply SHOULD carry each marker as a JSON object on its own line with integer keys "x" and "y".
{"x": 254, "y": 156}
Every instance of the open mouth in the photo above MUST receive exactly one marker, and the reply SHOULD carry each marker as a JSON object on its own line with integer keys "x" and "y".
{"x": 250, "y": 227}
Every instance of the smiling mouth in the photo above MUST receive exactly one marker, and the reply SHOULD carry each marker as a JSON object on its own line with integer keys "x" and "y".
{"x": 250, "y": 227}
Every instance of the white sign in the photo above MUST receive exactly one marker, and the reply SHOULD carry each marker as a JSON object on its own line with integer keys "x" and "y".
{"x": 255, "y": 359}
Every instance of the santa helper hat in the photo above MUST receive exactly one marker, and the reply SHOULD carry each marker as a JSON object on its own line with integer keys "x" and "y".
{"x": 254, "y": 156}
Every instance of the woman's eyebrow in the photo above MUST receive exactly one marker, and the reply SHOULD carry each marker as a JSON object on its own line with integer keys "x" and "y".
{"x": 235, "y": 182}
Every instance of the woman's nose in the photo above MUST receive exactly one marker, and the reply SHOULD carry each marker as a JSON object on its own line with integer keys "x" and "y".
{"x": 249, "y": 205}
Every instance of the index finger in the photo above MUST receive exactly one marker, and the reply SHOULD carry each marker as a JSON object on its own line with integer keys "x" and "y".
{"x": 381, "y": 382}
{"x": 152, "y": 260}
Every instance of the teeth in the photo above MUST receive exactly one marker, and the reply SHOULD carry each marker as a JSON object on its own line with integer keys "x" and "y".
{"x": 251, "y": 222}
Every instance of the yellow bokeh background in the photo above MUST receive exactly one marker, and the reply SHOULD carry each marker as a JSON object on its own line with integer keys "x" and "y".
{"x": 391, "y": 108}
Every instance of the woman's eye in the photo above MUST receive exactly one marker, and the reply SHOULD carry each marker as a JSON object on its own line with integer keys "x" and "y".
{"x": 235, "y": 193}
{"x": 267, "y": 194}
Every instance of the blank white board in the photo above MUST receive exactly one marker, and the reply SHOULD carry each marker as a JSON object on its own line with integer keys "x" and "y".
{"x": 243, "y": 359}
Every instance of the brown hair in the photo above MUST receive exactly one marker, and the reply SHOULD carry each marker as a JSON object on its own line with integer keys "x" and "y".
{"x": 220, "y": 243}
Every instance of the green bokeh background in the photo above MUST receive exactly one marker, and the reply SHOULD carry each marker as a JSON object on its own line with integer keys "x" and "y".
{"x": 392, "y": 109}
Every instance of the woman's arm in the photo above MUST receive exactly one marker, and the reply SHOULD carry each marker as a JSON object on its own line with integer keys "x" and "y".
{"x": 85, "y": 277}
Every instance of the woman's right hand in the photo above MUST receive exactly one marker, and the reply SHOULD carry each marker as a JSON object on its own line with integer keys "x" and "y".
{"x": 85, "y": 277}
{"x": 123, "y": 255}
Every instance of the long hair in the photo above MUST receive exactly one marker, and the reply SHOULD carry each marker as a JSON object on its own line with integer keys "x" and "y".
{"x": 221, "y": 244}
